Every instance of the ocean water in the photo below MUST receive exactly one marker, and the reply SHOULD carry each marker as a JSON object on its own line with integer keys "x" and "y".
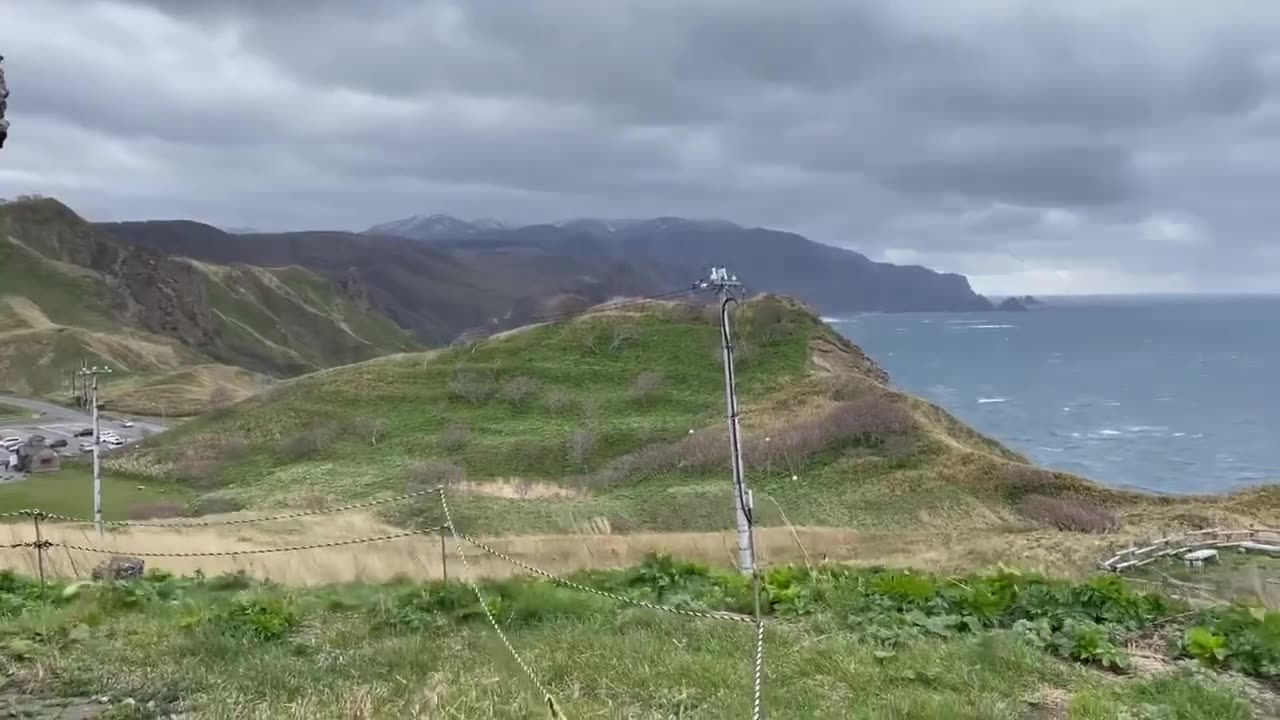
{"x": 1175, "y": 395}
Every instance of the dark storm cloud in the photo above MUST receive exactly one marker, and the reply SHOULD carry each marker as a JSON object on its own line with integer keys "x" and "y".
{"x": 1045, "y": 147}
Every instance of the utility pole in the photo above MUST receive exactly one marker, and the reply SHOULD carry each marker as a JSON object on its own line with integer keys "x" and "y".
{"x": 725, "y": 285}
{"x": 84, "y": 387}
{"x": 89, "y": 380}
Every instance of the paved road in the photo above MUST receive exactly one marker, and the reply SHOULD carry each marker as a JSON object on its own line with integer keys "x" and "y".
{"x": 57, "y": 422}
{"x": 51, "y": 412}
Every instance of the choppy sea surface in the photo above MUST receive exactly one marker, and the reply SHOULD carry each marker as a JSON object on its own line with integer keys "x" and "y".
{"x": 1171, "y": 394}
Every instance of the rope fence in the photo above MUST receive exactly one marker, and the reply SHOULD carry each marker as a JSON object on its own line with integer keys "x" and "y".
{"x": 249, "y": 551}
{"x": 42, "y": 545}
{"x": 228, "y": 521}
{"x": 712, "y": 615}
{"x": 1138, "y": 556}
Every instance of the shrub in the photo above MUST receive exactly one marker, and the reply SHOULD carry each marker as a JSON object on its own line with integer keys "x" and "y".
{"x": 220, "y": 397}
{"x": 558, "y": 401}
{"x": 519, "y": 390}
{"x": 768, "y": 320}
{"x": 646, "y": 385}
{"x": 454, "y": 436}
{"x": 308, "y": 442}
{"x": 314, "y": 501}
{"x": 874, "y": 419}
{"x": 1068, "y": 514}
{"x": 581, "y": 445}
{"x": 472, "y": 386}
{"x": 431, "y": 473}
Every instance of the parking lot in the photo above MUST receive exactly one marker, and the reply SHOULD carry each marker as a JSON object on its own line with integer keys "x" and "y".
{"x": 55, "y": 423}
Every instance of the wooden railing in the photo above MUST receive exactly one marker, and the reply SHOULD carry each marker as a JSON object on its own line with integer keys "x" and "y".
{"x": 1137, "y": 556}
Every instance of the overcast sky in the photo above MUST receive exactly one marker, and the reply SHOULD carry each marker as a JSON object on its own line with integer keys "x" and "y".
{"x": 1044, "y": 146}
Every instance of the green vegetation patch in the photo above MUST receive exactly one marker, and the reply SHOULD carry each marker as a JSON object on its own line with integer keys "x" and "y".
{"x": 555, "y": 403}
{"x": 70, "y": 492}
{"x": 860, "y": 644}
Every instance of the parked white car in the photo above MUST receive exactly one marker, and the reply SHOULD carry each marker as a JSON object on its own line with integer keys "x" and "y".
{"x": 126, "y": 423}
{"x": 86, "y": 447}
{"x": 10, "y": 443}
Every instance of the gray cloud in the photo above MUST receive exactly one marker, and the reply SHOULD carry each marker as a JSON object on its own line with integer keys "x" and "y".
{"x": 1088, "y": 147}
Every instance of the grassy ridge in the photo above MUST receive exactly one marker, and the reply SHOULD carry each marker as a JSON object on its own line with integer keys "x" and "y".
{"x": 577, "y": 377}
{"x": 866, "y": 644}
{"x": 586, "y": 426}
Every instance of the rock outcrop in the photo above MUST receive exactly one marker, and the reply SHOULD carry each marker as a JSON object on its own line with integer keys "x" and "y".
{"x": 119, "y": 567}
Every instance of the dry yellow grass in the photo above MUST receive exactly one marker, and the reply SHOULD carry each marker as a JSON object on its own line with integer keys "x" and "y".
{"x": 22, "y": 314}
{"x": 185, "y": 391}
{"x": 419, "y": 556}
{"x": 514, "y": 488}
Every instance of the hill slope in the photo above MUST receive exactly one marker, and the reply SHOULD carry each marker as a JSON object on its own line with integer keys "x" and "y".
{"x": 613, "y": 423}
{"x": 68, "y": 293}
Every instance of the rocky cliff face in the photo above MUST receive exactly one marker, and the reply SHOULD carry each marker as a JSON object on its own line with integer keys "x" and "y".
{"x": 165, "y": 296}
{"x": 153, "y": 291}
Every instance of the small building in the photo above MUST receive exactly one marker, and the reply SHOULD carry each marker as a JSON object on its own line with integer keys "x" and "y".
{"x": 34, "y": 456}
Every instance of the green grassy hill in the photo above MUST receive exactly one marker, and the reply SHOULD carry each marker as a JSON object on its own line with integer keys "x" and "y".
{"x": 69, "y": 293}
{"x": 613, "y": 423}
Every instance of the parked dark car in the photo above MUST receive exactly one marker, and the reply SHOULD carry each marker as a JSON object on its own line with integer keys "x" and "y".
{"x": 85, "y": 432}
{"x": 59, "y": 443}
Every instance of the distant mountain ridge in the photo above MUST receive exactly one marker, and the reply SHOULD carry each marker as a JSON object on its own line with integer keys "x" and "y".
{"x": 434, "y": 290}
{"x": 441, "y": 277}
{"x": 435, "y": 227}
{"x": 675, "y": 249}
